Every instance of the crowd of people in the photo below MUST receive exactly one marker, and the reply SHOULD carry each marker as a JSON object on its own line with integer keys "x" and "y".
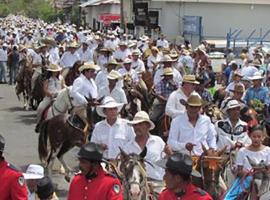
{"x": 183, "y": 83}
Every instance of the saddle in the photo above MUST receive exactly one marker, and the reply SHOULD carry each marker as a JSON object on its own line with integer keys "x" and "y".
{"x": 76, "y": 122}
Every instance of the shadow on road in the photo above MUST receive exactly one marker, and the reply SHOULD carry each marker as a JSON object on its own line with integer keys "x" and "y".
{"x": 13, "y": 109}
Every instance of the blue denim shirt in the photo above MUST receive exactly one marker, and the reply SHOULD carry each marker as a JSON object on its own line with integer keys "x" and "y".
{"x": 261, "y": 94}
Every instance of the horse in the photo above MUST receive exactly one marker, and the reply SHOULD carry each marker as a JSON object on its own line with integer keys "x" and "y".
{"x": 23, "y": 81}
{"x": 210, "y": 164}
{"x": 212, "y": 111}
{"x": 63, "y": 132}
{"x": 73, "y": 73}
{"x": 134, "y": 177}
{"x": 37, "y": 94}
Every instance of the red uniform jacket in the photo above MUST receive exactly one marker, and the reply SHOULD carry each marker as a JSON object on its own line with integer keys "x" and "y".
{"x": 102, "y": 187}
{"x": 191, "y": 193}
{"x": 12, "y": 184}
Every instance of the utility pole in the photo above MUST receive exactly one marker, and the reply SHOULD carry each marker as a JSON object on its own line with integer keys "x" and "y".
{"x": 122, "y": 15}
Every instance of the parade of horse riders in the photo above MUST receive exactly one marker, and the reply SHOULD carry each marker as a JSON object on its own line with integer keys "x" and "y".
{"x": 126, "y": 107}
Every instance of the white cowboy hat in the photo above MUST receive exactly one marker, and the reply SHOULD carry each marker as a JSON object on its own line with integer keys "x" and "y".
{"x": 34, "y": 172}
{"x": 113, "y": 75}
{"x": 108, "y": 102}
{"x": 127, "y": 61}
{"x": 166, "y": 58}
{"x": 256, "y": 76}
{"x": 89, "y": 65}
{"x": 232, "y": 104}
{"x": 54, "y": 68}
{"x": 140, "y": 117}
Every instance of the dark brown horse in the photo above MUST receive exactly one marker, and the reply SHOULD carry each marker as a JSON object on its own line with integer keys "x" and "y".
{"x": 23, "y": 81}
{"x": 73, "y": 73}
{"x": 37, "y": 92}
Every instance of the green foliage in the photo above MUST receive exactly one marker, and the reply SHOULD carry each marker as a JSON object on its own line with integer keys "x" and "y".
{"x": 37, "y": 9}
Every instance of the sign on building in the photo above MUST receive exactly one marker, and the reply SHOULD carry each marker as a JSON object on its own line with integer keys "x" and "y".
{"x": 141, "y": 14}
{"x": 192, "y": 25}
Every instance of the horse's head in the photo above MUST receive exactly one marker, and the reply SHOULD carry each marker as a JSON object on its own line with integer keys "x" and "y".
{"x": 212, "y": 111}
{"x": 211, "y": 164}
{"x": 134, "y": 174}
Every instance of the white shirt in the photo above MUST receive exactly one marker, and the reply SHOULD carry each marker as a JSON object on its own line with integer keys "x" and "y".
{"x": 117, "y": 93}
{"x": 54, "y": 57}
{"x": 82, "y": 87}
{"x": 115, "y": 136}
{"x": 85, "y": 56}
{"x": 138, "y": 66}
{"x": 151, "y": 60}
{"x": 3, "y": 55}
{"x": 255, "y": 156}
{"x": 173, "y": 105}
{"x": 54, "y": 84}
{"x": 118, "y": 54}
{"x": 111, "y": 44}
{"x": 163, "y": 43}
{"x": 183, "y": 132}
{"x": 228, "y": 136}
{"x": 155, "y": 146}
{"x": 68, "y": 59}
{"x": 132, "y": 73}
{"x": 177, "y": 77}
{"x": 231, "y": 86}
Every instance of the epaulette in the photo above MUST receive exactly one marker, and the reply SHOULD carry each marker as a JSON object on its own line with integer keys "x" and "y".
{"x": 78, "y": 173}
{"x": 200, "y": 191}
{"x": 13, "y": 167}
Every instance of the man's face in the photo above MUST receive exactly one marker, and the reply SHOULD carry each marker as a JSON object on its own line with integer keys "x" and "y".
{"x": 90, "y": 73}
{"x": 32, "y": 185}
{"x": 238, "y": 95}
{"x": 127, "y": 66}
{"x": 170, "y": 180}
{"x": 190, "y": 87}
{"x": 85, "y": 166}
{"x": 141, "y": 128}
{"x": 257, "y": 83}
{"x": 234, "y": 113}
{"x": 168, "y": 77}
{"x": 193, "y": 111}
{"x": 167, "y": 64}
{"x": 135, "y": 57}
{"x": 111, "y": 113}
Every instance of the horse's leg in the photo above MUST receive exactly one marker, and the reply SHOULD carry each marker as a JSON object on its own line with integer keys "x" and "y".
{"x": 51, "y": 159}
{"x": 64, "y": 149}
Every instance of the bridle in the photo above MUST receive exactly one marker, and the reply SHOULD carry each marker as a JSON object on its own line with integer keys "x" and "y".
{"x": 54, "y": 107}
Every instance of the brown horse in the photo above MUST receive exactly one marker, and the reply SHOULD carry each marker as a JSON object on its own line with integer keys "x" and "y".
{"x": 73, "y": 73}
{"x": 212, "y": 111}
{"x": 23, "y": 81}
{"x": 210, "y": 164}
{"x": 63, "y": 133}
{"x": 37, "y": 92}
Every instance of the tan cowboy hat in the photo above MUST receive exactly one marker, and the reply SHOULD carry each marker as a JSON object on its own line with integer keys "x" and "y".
{"x": 89, "y": 65}
{"x": 105, "y": 50}
{"x": 111, "y": 62}
{"x": 168, "y": 71}
{"x": 113, "y": 75}
{"x": 127, "y": 61}
{"x": 123, "y": 43}
{"x": 22, "y": 47}
{"x": 256, "y": 76}
{"x": 54, "y": 68}
{"x": 190, "y": 79}
{"x": 73, "y": 45}
{"x": 140, "y": 117}
{"x": 155, "y": 49}
{"x": 108, "y": 102}
{"x": 174, "y": 55}
{"x": 201, "y": 48}
{"x": 194, "y": 99}
{"x": 237, "y": 73}
{"x": 238, "y": 88}
{"x": 256, "y": 63}
{"x": 166, "y": 58}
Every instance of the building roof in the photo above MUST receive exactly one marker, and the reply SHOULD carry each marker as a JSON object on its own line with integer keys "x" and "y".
{"x": 99, "y": 2}
{"x": 61, "y": 4}
{"x": 221, "y": 1}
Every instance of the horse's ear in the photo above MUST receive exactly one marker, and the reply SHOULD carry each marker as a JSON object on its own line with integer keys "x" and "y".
{"x": 101, "y": 99}
{"x": 123, "y": 154}
{"x": 143, "y": 153}
{"x": 222, "y": 151}
{"x": 204, "y": 148}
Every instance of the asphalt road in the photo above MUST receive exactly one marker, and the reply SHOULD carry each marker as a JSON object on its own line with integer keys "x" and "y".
{"x": 17, "y": 126}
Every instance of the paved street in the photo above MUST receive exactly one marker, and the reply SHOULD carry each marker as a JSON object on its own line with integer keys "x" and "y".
{"x": 17, "y": 126}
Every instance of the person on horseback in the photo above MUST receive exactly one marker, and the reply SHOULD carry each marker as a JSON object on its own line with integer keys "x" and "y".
{"x": 236, "y": 80}
{"x": 202, "y": 91}
{"x": 142, "y": 126}
{"x": 126, "y": 70}
{"x": 113, "y": 89}
{"x": 112, "y": 132}
{"x": 84, "y": 89}
{"x": 122, "y": 52}
{"x": 85, "y": 53}
{"x": 162, "y": 91}
{"x": 51, "y": 86}
{"x": 258, "y": 91}
{"x": 137, "y": 64}
{"x": 251, "y": 161}
{"x": 103, "y": 57}
{"x": 93, "y": 182}
{"x": 173, "y": 106}
{"x": 190, "y": 130}
{"x": 232, "y": 132}
{"x": 178, "y": 171}
{"x": 153, "y": 59}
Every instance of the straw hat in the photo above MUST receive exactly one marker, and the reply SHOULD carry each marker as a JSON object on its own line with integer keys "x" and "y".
{"x": 123, "y": 43}
{"x": 136, "y": 52}
{"x": 256, "y": 76}
{"x": 73, "y": 45}
{"x": 108, "y": 102}
{"x": 54, "y": 68}
{"x": 140, "y": 117}
{"x": 111, "y": 62}
{"x": 166, "y": 59}
{"x": 127, "y": 61}
{"x": 174, "y": 55}
{"x": 237, "y": 73}
{"x": 113, "y": 75}
{"x": 256, "y": 63}
{"x": 105, "y": 50}
{"x": 194, "y": 99}
{"x": 168, "y": 71}
{"x": 238, "y": 88}
{"x": 89, "y": 65}
{"x": 190, "y": 79}
{"x": 232, "y": 104}
{"x": 155, "y": 49}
